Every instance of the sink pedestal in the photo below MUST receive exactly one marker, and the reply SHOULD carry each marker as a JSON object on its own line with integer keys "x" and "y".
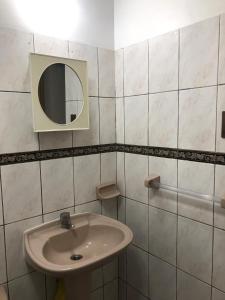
{"x": 78, "y": 287}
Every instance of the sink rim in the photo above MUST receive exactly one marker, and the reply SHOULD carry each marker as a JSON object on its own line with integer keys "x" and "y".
{"x": 38, "y": 260}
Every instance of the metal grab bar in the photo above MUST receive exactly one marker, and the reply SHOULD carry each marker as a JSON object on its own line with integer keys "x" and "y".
{"x": 154, "y": 182}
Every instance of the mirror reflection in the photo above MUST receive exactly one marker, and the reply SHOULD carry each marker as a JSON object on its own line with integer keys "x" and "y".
{"x": 60, "y": 93}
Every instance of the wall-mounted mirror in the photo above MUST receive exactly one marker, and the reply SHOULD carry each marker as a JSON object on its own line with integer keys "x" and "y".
{"x": 59, "y": 93}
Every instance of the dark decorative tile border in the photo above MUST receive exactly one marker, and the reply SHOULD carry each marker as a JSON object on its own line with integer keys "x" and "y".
{"x": 191, "y": 155}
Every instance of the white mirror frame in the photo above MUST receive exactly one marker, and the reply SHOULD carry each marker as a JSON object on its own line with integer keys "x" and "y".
{"x": 41, "y": 122}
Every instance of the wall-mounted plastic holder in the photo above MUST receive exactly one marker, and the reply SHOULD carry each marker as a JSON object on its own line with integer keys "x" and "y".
{"x": 107, "y": 191}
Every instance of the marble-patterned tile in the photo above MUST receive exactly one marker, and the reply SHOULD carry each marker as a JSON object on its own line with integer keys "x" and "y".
{"x": 21, "y": 189}
{"x": 57, "y": 184}
{"x": 31, "y": 286}
{"x": 136, "y": 69}
{"x": 86, "y": 177}
{"x": 3, "y": 277}
{"x": 197, "y": 119}
{"x": 136, "y": 170}
{"x": 221, "y": 77}
{"x": 163, "y": 62}
{"x": 218, "y": 260}
{"x": 163, "y": 119}
{"x": 199, "y": 54}
{"x": 194, "y": 249}
{"x": 16, "y": 264}
{"x": 18, "y": 135}
{"x": 162, "y": 279}
{"x": 120, "y": 120}
{"x": 106, "y": 62}
{"x": 219, "y": 212}
{"x": 162, "y": 234}
{"x": 167, "y": 170}
{"x": 14, "y": 60}
{"x": 108, "y": 167}
{"x": 119, "y": 62}
{"x": 220, "y": 142}
{"x": 191, "y": 288}
{"x": 137, "y": 263}
{"x": 137, "y": 221}
{"x": 50, "y": 46}
{"x": 90, "y": 54}
{"x": 199, "y": 178}
{"x": 107, "y": 120}
{"x": 136, "y": 120}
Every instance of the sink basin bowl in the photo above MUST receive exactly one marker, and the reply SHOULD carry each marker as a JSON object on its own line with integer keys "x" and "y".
{"x": 60, "y": 252}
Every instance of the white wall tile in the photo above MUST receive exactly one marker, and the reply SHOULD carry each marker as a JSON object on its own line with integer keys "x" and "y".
{"x": 199, "y": 178}
{"x": 97, "y": 294}
{"x": 137, "y": 221}
{"x": 132, "y": 294}
{"x": 111, "y": 290}
{"x": 21, "y": 191}
{"x": 195, "y": 248}
{"x": 93, "y": 207}
{"x": 218, "y": 259}
{"x": 86, "y": 177}
{"x": 16, "y": 264}
{"x": 199, "y": 54}
{"x": 120, "y": 120}
{"x": 162, "y": 234}
{"x": 220, "y": 142}
{"x": 121, "y": 172}
{"x": 110, "y": 270}
{"x": 163, "y": 119}
{"x": 14, "y": 60}
{"x": 16, "y": 129}
{"x": 1, "y": 212}
{"x": 106, "y": 62}
{"x": 90, "y": 54}
{"x": 50, "y": 46}
{"x": 136, "y": 120}
{"x": 57, "y": 184}
{"x": 119, "y": 62}
{"x": 108, "y": 167}
{"x": 162, "y": 280}
{"x": 3, "y": 277}
{"x": 192, "y": 288}
{"x": 31, "y": 286}
{"x": 217, "y": 295}
{"x": 136, "y": 69}
{"x": 137, "y": 263}
{"x": 136, "y": 170}
{"x": 55, "y": 140}
{"x": 163, "y": 62}
{"x": 109, "y": 208}
{"x": 90, "y": 136}
{"x": 107, "y": 120}
{"x": 219, "y": 213}
{"x": 221, "y": 78}
{"x": 197, "y": 119}
{"x": 56, "y": 214}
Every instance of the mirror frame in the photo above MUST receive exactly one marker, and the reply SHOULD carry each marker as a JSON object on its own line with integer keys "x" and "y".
{"x": 41, "y": 122}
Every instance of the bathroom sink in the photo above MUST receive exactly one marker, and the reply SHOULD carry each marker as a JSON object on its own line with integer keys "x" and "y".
{"x": 91, "y": 241}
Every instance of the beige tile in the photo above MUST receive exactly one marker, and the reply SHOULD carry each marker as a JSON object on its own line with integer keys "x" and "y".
{"x": 21, "y": 190}
{"x": 50, "y": 46}
{"x": 137, "y": 221}
{"x": 162, "y": 234}
{"x": 218, "y": 260}
{"x": 106, "y": 61}
{"x": 108, "y": 167}
{"x": 107, "y": 120}
{"x": 136, "y": 120}
{"x": 17, "y": 134}
{"x": 162, "y": 279}
{"x": 137, "y": 263}
{"x": 90, "y": 136}
{"x": 163, "y": 62}
{"x": 197, "y": 119}
{"x": 86, "y": 177}
{"x": 57, "y": 184}
{"x": 136, "y": 77}
{"x": 219, "y": 213}
{"x": 90, "y": 54}
{"x": 195, "y": 248}
{"x": 163, "y": 119}
{"x": 55, "y": 140}
{"x": 16, "y": 264}
{"x": 119, "y": 72}
{"x": 192, "y": 288}
{"x": 199, "y": 178}
{"x": 31, "y": 286}
{"x": 120, "y": 120}
{"x": 3, "y": 277}
{"x": 136, "y": 170}
{"x": 14, "y": 60}
{"x": 199, "y": 54}
{"x": 221, "y": 78}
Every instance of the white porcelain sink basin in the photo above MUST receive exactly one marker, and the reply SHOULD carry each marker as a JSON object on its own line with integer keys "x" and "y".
{"x": 94, "y": 239}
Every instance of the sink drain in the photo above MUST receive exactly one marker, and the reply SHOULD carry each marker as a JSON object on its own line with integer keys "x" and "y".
{"x": 76, "y": 256}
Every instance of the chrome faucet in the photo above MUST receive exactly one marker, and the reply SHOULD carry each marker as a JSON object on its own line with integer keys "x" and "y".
{"x": 65, "y": 220}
